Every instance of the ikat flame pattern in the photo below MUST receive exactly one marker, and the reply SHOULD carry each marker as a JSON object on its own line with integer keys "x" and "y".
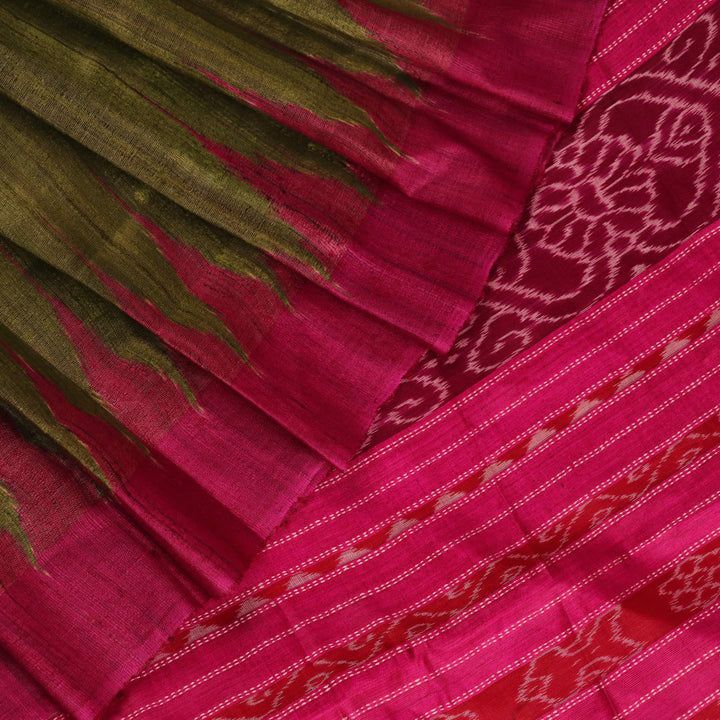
{"x": 140, "y": 138}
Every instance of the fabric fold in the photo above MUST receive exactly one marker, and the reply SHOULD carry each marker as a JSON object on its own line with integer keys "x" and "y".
{"x": 553, "y": 527}
{"x": 228, "y": 267}
{"x": 193, "y": 160}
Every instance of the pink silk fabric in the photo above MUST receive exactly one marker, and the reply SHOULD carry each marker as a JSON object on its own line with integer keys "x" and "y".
{"x": 404, "y": 272}
{"x": 545, "y": 546}
{"x": 633, "y": 179}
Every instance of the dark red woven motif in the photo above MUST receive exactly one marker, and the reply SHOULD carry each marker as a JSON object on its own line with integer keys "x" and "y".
{"x": 633, "y": 180}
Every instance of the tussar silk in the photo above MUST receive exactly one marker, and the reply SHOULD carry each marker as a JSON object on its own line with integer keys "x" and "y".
{"x": 360, "y": 198}
{"x": 226, "y": 232}
{"x": 545, "y": 546}
{"x": 229, "y": 231}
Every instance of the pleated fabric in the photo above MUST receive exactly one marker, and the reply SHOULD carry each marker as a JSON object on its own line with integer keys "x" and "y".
{"x": 547, "y": 545}
{"x": 226, "y": 232}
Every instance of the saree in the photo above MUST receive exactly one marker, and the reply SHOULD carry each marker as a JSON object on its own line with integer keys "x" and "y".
{"x": 228, "y": 240}
{"x": 559, "y": 558}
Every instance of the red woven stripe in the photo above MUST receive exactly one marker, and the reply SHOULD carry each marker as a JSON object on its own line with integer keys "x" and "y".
{"x": 561, "y": 421}
{"x": 709, "y": 712}
{"x": 601, "y": 646}
{"x": 485, "y": 580}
